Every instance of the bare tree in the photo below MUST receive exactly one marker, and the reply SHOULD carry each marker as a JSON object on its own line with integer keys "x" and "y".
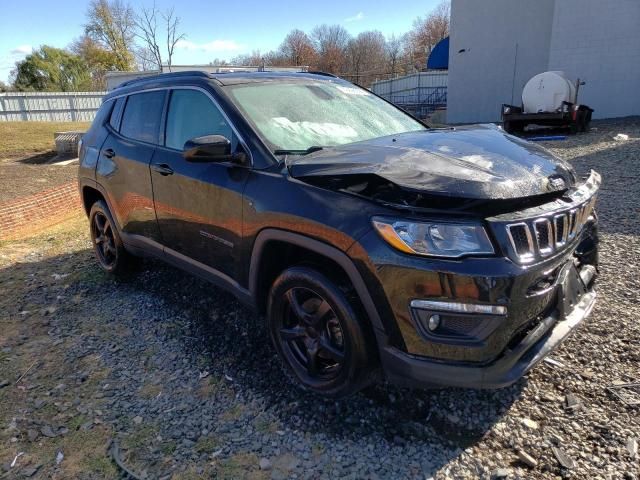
{"x": 254, "y": 59}
{"x": 297, "y": 48}
{"x": 428, "y": 31}
{"x": 330, "y": 42}
{"x": 366, "y": 57}
{"x": 172, "y": 21}
{"x": 393, "y": 52}
{"x": 111, "y": 24}
{"x": 148, "y": 31}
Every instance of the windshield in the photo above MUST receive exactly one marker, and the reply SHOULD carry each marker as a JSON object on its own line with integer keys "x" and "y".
{"x": 297, "y": 116}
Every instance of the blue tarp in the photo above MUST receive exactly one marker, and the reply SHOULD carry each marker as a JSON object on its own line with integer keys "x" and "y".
{"x": 439, "y": 58}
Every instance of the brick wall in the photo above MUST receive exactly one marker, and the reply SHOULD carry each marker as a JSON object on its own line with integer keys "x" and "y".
{"x": 39, "y": 210}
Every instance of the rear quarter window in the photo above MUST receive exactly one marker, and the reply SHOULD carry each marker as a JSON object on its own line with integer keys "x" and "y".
{"x": 114, "y": 119}
{"x": 102, "y": 114}
{"x": 142, "y": 116}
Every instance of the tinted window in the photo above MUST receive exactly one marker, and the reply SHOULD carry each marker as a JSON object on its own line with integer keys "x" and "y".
{"x": 142, "y": 115}
{"x": 114, "y": 121}
{"x": 193, "y": 114}
{"x": 103, "y": 113}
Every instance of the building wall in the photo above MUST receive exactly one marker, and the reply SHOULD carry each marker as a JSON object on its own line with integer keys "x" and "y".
{"x": 496, "y": 46}
{"x": 594, "y": 40}
{"x": 599, "y": 42}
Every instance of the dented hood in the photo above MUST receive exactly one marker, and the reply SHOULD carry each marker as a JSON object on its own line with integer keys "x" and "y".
{"x": 477, "y": 162}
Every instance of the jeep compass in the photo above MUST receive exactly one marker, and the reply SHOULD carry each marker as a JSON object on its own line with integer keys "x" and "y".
{"x": 374, "y": 246}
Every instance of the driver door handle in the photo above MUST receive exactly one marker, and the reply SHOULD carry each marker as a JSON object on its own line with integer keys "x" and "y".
{"x": 162, "y": 169}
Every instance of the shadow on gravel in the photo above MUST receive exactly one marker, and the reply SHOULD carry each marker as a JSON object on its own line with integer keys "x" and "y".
{"x": 226, "y": 339}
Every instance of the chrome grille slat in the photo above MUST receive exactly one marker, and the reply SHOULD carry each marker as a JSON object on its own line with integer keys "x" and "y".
{"x": 561, "y": 226}
{"x": 536, "y": 238}
{"x": 544, "y": 236}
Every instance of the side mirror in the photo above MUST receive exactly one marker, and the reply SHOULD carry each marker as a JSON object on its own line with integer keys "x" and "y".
{"x": 210, "y": 148}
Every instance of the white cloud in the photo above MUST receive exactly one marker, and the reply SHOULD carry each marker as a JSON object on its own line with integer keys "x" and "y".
{"x": 8, "y": 60}
{"x": 22, "y": 50}
{"x": 214, "y": 46}
{"x": 358, "y": 16}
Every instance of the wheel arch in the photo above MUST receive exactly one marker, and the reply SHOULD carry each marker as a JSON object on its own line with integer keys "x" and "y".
{"x": 261, "y": 268}
{"x": 90, "y": 192}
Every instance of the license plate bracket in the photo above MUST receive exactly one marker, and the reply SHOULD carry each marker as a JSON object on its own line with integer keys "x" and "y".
{"x": 570, "y": 289}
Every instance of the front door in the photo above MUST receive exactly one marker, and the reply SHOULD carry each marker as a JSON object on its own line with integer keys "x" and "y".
{"x": 198, "y": 205}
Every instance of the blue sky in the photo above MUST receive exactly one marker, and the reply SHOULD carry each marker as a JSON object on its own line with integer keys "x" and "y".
{"x": 214, "y": 29}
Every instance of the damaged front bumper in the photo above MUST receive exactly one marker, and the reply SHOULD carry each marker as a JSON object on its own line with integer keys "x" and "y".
{"x": 515, "y": 361}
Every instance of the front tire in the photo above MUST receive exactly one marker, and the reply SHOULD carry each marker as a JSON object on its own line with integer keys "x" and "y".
{"x": 321, "y": 339}
{"x": 107, "y": 244}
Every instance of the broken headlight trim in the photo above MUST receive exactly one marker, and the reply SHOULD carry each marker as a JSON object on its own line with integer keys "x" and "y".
{"x": 449, "y": 240}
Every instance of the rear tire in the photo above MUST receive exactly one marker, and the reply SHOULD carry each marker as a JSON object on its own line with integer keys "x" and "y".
{"x": 323, "y": 342}
{"x": 107, "y": 244}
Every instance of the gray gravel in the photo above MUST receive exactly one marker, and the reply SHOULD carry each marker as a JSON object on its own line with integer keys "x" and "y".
{"x": 190, "y": 388}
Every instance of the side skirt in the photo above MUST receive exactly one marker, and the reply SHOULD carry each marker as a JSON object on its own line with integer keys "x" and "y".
{"x": 142, "y": 246}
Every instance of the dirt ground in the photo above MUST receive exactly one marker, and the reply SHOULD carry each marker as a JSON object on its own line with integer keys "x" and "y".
{"x": 26, "y": 148}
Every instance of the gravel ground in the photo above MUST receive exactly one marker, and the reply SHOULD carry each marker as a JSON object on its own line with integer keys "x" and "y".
{"x": 180, "y": 377}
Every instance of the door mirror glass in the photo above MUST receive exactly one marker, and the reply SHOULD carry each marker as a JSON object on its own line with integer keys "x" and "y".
{"x": 209, "y": 148}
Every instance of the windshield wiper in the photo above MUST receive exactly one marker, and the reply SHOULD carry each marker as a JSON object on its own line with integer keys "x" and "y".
{"x": 309, "y": 150}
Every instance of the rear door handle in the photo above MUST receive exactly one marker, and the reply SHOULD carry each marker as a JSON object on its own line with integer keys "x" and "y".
{"x": 162, "y": 169}
{"x": 109, "y": 153}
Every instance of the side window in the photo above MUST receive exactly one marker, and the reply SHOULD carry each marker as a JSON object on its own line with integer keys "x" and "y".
{"x": 193, "y": 114}
{"x": 114, "y": 121}
{"x": 103, "y": 112}
{"x": 142, "y": 116}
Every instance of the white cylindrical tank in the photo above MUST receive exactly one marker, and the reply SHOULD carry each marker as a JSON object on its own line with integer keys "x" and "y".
{"x": 546, "y": 91}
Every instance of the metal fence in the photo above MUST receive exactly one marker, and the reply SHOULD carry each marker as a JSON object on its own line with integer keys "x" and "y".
{"x": 419, "y": 93}
{"x": 49, "y": 106}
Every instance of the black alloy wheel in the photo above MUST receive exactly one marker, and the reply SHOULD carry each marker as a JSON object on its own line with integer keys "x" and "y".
{"x": 104, "y": 241}
{"x": 107, "y": 245}
{"x": 324, "y": 342}
{"x": 311, "y": 335}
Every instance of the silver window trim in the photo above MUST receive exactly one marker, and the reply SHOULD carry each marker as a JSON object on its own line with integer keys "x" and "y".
{"x": 189, "y": 87}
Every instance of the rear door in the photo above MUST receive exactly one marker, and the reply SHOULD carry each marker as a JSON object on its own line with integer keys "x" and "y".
{"x": 123, "y": 166}
{"x": 198, "y": 205}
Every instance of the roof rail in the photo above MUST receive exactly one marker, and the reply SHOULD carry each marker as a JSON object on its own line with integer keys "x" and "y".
{"x": 326, "y": 74}
{"x": 187, "y": 73}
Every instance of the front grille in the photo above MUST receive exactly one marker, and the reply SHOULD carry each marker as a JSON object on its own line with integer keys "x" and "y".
{"x": 536, "y": 238}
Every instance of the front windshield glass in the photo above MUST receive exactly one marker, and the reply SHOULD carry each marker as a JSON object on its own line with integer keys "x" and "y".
{"x": 295, "y": 116}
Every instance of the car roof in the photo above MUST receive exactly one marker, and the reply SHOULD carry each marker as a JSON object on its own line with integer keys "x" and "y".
{"x": 223, "y": 79}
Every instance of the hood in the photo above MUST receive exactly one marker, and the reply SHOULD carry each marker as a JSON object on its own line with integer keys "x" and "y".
{"x": 477, "y": 163}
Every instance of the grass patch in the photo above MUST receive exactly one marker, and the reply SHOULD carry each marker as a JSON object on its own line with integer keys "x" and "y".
{"x": 149, "y": 390}
{"x": 241, "y": 465}
{"x": 169, "y": 447}
{"x": 28, "y": 138}
{"x": 85, "y": 455}
{"x": 140, "y": 438}
{"x": 264, "y": 425}
{"x": 206, "y": 445}
{"x": 233, "y": 413}
{"x": 76, "y": 422}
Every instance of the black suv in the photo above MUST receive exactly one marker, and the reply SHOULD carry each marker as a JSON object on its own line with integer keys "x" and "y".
{"x": 375, "y": 246}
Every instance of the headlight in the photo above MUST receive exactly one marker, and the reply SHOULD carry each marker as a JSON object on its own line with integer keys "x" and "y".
{"x": 435, "y": 239}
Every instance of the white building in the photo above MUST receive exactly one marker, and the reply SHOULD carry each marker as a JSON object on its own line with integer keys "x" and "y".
{"x": 497, "y": 45}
